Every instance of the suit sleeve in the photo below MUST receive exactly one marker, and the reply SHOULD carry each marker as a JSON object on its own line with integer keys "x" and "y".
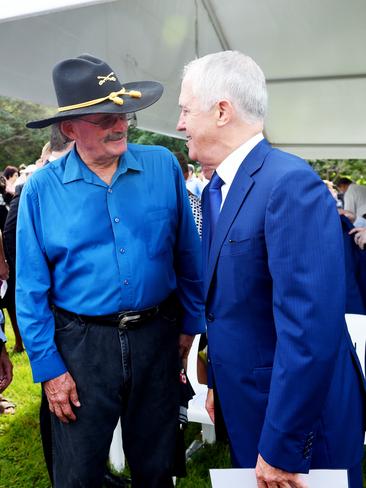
{"x": 305, "y": 256}
{"x": 9, "y": 234}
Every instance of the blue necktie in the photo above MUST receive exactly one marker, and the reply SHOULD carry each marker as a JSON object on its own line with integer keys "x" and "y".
{"x": 215, "y": 198}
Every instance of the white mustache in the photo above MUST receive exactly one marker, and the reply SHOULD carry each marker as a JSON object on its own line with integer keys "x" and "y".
{"x": 116, "y": 136}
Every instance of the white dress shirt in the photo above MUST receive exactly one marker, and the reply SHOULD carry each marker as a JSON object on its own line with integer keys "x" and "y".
{"x": 230, "y": 165}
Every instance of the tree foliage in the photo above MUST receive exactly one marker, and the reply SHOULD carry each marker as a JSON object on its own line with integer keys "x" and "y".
{"x": 139, "y": 136}
{"x": 21, "y": 145}
{"x": 17, "y": 143}
{"x": 332, "y": 169}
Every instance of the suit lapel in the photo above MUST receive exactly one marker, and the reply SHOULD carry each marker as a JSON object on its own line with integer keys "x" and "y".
{"x": 205, "y": 225}
{"x": 238, "y": 192}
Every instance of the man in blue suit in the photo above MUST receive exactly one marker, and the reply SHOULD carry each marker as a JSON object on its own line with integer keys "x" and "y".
{"x": 281, "y": 362}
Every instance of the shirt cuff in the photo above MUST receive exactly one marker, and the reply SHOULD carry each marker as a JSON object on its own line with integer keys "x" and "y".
{"x": 288, "y": 451}
{"x": 193, "y": 325}
{"x": 48, "y": 368}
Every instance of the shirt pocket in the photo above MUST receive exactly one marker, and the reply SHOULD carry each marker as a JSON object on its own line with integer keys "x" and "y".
{"x": 158, "y": 232}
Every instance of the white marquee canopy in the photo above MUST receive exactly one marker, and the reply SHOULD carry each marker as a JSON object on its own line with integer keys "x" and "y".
{"x": 312, "y": 52}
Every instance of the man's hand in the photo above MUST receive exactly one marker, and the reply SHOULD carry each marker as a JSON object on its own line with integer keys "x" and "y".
{"x": 359, "y": 234}
{"x": 185, "y": 343}
{"x": 61, "y": 393}
{"x": 4, "y": 270}
{"x": 350, "y": 215}
{"x": 210, "y": 404}
{"x": 270, "y": 477}
{"x": 6, "y": 370}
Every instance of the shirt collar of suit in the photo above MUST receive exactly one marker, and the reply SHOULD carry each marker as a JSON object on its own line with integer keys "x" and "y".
{"x": 230, "y": 165}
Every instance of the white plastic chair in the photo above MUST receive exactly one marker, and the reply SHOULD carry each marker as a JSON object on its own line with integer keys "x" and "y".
{"x": 356, "y": 325}
{"x": 116, "y": 454}
{"x": 196, "y": 407}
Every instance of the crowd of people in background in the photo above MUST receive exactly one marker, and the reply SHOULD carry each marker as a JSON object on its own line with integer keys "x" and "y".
{"x": 12, "y": 180}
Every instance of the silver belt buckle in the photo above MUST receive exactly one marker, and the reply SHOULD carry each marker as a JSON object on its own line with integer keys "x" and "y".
{"x": 127, "y": 318}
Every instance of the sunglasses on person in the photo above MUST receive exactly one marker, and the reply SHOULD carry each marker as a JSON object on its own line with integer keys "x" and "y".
{"x": 110, "y": 121}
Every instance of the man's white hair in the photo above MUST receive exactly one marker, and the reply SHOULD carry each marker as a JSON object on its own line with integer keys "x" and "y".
{"x": 229, "y": 75}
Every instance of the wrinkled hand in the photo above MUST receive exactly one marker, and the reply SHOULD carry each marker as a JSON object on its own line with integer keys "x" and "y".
{"x": 270, "y": 477}
{"x": 6, "y": 370}
{"x": 210, "y": 404}
{"x": 4, "y": 270}
{"x": 185, "y": 343}
{"x": 61, "y": 393}
{"x": 359, "y": 235}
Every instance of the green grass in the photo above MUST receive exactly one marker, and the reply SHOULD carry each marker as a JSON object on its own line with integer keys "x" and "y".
{"x": 21, "y": 456}
{"x": 21, "y": 460}
{"x": 207, "y": 457}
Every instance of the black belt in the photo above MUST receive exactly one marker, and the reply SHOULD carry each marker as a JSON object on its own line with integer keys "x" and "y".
{"x": 128, "y": 319}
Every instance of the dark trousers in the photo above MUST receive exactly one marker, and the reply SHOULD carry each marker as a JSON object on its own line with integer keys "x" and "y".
{"x": 355, "y": 477}
{"x": 46, "y": 433}
{"x": 132, "y": 374}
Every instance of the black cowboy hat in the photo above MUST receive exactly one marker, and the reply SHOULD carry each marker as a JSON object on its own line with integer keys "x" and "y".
{"x": 87, "y": 85}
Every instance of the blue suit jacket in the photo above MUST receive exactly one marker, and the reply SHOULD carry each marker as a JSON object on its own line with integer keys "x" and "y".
{"x": 285, "y": 370}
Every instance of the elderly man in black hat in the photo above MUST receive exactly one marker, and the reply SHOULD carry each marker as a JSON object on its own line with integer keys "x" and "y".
{"x": 106, "y": 251}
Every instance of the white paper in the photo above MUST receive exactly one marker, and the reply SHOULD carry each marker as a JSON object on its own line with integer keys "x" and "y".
{"x": 3, "y": 288}
{"x": 245, "y": 478}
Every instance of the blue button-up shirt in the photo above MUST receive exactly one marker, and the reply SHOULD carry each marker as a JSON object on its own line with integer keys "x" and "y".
{"x": 95, "y": 249}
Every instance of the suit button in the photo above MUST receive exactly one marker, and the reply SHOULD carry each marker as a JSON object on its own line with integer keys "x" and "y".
{"x": 210, "y": 317}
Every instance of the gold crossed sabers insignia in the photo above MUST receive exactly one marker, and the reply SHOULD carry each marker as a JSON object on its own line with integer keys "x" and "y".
{"x": 109, "y": 77}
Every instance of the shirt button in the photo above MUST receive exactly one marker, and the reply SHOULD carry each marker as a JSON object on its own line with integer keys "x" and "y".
{"x": 122, "y": 250}
{"x": 116, "y": 219}
{"x": 110, "y": 190}
{"x": 125, "y": 282}
{"x": 210, "y": 317}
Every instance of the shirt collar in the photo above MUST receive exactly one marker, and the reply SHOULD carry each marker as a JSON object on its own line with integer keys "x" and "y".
{"x": 230, "y": 165}
{"x": 76, "y": 169}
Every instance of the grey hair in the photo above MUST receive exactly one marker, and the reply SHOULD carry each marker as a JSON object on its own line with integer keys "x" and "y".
{"x": 58, "y": 141}
{"x": 229, "y": 75}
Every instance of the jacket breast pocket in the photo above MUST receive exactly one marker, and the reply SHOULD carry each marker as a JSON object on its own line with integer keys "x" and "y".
{"x": 159, "y": 233}
{"x": 238, "y": 243}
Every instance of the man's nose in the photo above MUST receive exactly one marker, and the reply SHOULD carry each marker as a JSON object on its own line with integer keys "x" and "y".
{"x": 181, "y": 125}
{"x": 120, "y": 123}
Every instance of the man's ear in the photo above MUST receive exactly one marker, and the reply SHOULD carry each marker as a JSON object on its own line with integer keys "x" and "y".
{"x": 224, "y": 112}
{"x": 67, "y": 129}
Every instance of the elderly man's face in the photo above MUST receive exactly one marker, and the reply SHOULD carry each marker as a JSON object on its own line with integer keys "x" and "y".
{"x": 100, "y": 137}
{"x": 199, "y": 126}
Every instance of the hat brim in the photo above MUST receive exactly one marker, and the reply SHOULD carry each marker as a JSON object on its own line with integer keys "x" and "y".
{"x": 151, "y": 92}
